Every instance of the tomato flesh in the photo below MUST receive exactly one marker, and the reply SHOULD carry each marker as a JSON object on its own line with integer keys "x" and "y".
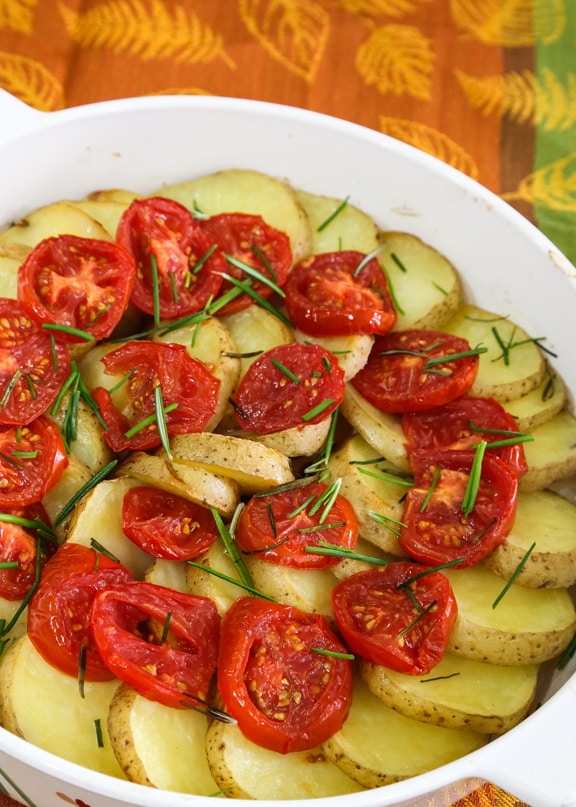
{"x": 284, "y": 694}
{"x": 177, "y": 265}
{"x": 32, "y": 460}
{"x": 399, "y": 616}
{"x": 174, "y": 670}
{"x": 165, "y": 525}
{"x": 33, "y": 367}
{"x": 81, "y": 283}
{"x": 288, "y": 386}
{"x": 436, "y": 529}
{"x": 59, "y": 611}
{"x": 279, "y": 527}
{"x": 185, "y": 384}
{"x": 335, "y": 293}
{"x": 408, "y": 371}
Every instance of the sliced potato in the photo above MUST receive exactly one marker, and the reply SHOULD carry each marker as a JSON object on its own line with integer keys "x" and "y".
{"x": 335, "y": 224}
{"x": 105, "y": 212}
{"x": 55, "y": 219}
{"x": 17, "y": 252}
{"x": 167, "y": 573}
{"x": 525, "y": 626}
{"x": 89, "y": 446}
{"x": 245, "y": 191}
{"x": 211, "y": 343}
{"x": 351, "y": 565}
{"x": 9, "y": 277}
{"x": 297, "y": 441}
{"x": 121, "y": 195}
{"x": 424, "y": 283}
{"x": 378, "y": 746}
{"x": 178, "y": 762}
{"x": 74, "y": 477}
{"x": 369, "y": 484}
{"x": 244, "y": 770}
{"x": 513, "y": 364}
{"x": 43, "y": 705}
{"x": 13, "y": 610}
{"x": 459, "y": 693}
{"x": 552, "y": 455}
{"x": 254, "y": 466}
{"x": 255, "y": 330}
{"x": 98, "y": 518}
{"x": 381, "y": 430}
{"x": 542, "y": 543}
{"x": 540, "y": 405}
{"x": 214, "y": 585}
{"x": 352, "y": 352}
{"x": 306, "y": 589}
{"x": 196, "y": 484}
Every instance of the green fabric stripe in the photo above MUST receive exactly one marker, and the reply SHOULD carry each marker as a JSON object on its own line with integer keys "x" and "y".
{"x": 555, "y": 137}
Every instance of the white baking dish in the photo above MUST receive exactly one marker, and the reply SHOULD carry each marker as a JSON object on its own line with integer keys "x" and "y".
{"x": 507, "y": 265}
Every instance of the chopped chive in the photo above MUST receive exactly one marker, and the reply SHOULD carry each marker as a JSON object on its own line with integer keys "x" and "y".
{"x": 440, "y": 289}
{"x": 100, "y": 548}
{"x": 317, "y": 410}
{"x": 79, "y": 495}
{"x": 10, "y": 460}
{"x": 232, "y": 549}
{"x": 82, "y": 669}
{"x": 322, "y": 463}
{"x": 9, "y": 564}
{"x": 72, "y": 379}
{"x": 334, "y": 653}
{"x": 453, "y": 357}
{"x": 201, "y": 261}
{"x": 482, "y": 533}
{"x": 197, "y": 212}
{"x": 391, "y": 523}
{"x": 155, "y": 289}
{"x": 249, "y": 270}
{"x": 423, "y": 613}
{"x": 398, "y": 262}
{"x": 514, "y": 575}
{"x": 396, "y": 479}
{"x": 166, "y": 627}
{"x": 318, "y": 527}
{"x": 36, "y": 524}
{"x": 323, "y": 548}
{"x": 99, "y": 735}
{"x": 430, "y": 570}
{"x": 173, "y": 287}
{"x": 512, "y": 441}
{"x": 31, "y": 387}
{"x": 439, "y": 678}
{"x": 25, "y": 455}
{"x": 333, "y": 215}
{"x": 246, "y": 287}
{"x": 249, "y": 588}
{"x": 161, "y": 421}
{"x": 431, "y": 489}
{"x": 366, "y": 260}
{"x": 410, "y": 594}
{"x": 326, "y": 500}
{"x": 53, "y": 353}
{"x": 392, "y": 292}
{"x": 272, "y": 520}
{"x": 67, "y": 329}
{"x": 327, "y": 365}
{"x": 148, "y": 421}
{"x": 123, "y": 380}
{"x": 257, "y": 251}
{"x": 283, "y": 369}
{"x": 10, "y": 388}
{"x": 301, "y": 507}
{"x": 473, "y": 485}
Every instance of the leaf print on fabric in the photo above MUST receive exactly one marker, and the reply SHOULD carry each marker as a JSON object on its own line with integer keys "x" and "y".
{"x": 510, "y": 23}
{"x": 148, "y": 30}
{"x": 523, "y": 98}
{"x": 31, "y": 82}
{"x": 431, "y": 141}
{"x": 398, "y": 59}
{"x": 553, "y": 186}
{"x": 373, "y": 8}
{"x": 293, "y": 32}
{"x": 18, "y": 15}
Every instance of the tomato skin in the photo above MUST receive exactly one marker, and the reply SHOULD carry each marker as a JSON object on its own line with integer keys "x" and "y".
{"x": 267, "y": 400}
{"x": 82, "y": 283}
{"x": 155, "y": 228}
{"x": 462, "y": 423}
{"x": 32, "y": 367}
{"x": 242, "y": 236}
{"x": 59, "y": 611}
{"x": 165, "y": 525}
{"x": 184, "y": 381}
{"x": 325, "y": 296}
{"x": 21, "y": 545}
{"x": 285, "y": 545}
{"x": 263, "y": 645}
{"x": 440, "y": 532}
{"x": 26, "y": 480}
{"x": 183, "y": 667}
{"x": 378, "y": 619}
{"x": 395, "y": 380}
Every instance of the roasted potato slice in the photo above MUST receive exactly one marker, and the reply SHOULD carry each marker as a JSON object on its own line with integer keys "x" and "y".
{"x": 552, "y": 455}
{"x": 540, "y": 405}
{"x": 458, "y": 693}
{"x": 243, "y": 770}
{"x": 246, "y": 191}
{"x": 424, "y": 284}
{"x": 178, "y": 762}
{"x": 378, "y": 746}
{"x": 335, "y": 224}
{"x": 254, "y": 330}
{"x": 513, "y": 364}
{"x": 508, "y": 624}
{"x": 540, "y": 551}
{"x": 9, "y": 277}
{"x": 89, "y": 445}
{"x": 215, "y": 581}
{"x": 45, "y": 706}
{"x": 106, "y": 212}
{"x": 352, "y": 352}
{"x": 74, "y": 477}
{"x": 54, "y": 219}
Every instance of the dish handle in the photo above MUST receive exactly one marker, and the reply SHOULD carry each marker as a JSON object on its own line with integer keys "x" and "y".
{"x": 15, "y": 115}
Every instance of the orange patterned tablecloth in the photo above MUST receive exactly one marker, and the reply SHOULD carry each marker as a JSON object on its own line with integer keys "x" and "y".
{"x": 486, "y": 85}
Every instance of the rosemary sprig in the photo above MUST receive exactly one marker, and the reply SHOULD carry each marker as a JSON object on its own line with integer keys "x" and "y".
{"x": 246, "y": 286}
{"x": 155, "y": 289}
{"x": 232, "y": 550}
{"x": 323, "y": 548}
{"x": 249, "y": 588}
{"x": 161, "y": 421}
{"x": 148, "y": 421}
{"x": 252, "y": 272}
